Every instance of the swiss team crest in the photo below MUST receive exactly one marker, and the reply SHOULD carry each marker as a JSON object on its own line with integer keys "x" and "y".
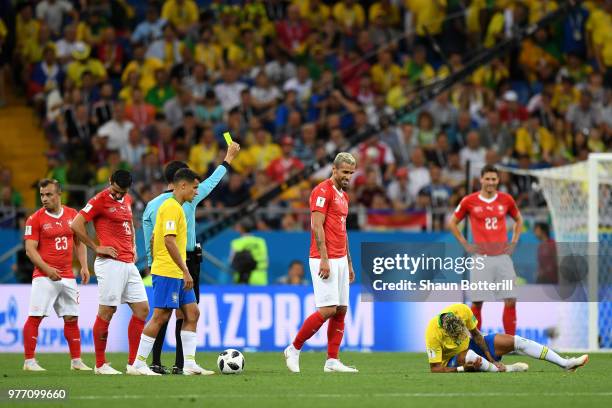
{"x": 47, "y": 226}
{"x": 112, "y": 209}
{"x": 501, "y": 209}
{"x": 477, "y": 209}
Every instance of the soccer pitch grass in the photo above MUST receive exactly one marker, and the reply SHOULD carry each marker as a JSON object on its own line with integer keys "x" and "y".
{"x": 385, "y": 380}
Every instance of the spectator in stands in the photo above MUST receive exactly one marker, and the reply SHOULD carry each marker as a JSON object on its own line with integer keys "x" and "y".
{"x": 547, "y": 255}
{"x": 83, "y": 62}
{"x": 295, "y": 274}
{"x": 535, "y": 141}
{"x": 371, "y": 187}
{"x": 281, "y": 168}
{"x": 150, "y": 171}
{"x": 150, "y": 29}
{"x": 292, "y": 32}
{"x": 161, "y": 91}
{"x": 228, "y": 91}
{"x": 474, "y": 153}
{"x": 176, "y": 107}
{"x": 117, "y": 129}
{"x": 494, "y": 135}
{"x": 54, "y": 13}
{"x": 138, "y": 111}
{"x": 398, "y": 190}
{"x": 419, "y": 173}
{"x": 583, "y": 115}
{"x": 439, "y": 194}
{"x": 210, "y": 110}
{"x": 204, "y": 152}
{"x": 132, "y": 152}
{"x": 103, "y": 107}
{"x": 167, "y": 49}
{"x": 439, "y": 154}
{"x": 233, "y": 193}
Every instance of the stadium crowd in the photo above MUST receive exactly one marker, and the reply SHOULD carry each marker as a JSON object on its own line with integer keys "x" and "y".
{"x": 136, "y": 84}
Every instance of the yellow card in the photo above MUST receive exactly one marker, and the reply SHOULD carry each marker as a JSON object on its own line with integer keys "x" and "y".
{"x": 228, "y": 138}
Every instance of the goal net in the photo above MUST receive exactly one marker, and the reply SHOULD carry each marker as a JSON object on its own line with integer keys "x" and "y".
{"x": 579, "y": 198}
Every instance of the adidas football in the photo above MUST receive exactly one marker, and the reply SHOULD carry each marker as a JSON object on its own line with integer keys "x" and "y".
{"x": 230, "y": 361}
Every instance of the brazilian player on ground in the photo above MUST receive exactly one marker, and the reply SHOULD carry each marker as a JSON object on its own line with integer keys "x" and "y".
{"x": 172, "y": 282}
{"x": 454, "y": 345}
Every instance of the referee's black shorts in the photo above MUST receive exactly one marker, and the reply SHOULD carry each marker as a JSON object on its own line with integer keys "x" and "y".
{"x": 194, "y": 259}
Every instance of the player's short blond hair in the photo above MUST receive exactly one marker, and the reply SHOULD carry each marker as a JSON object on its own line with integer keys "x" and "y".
{"x": 454, "y": 327}
{"x": 344, "y": 157}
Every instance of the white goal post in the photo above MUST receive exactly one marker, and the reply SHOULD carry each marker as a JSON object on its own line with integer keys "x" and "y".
{"x": 579, "y": 198}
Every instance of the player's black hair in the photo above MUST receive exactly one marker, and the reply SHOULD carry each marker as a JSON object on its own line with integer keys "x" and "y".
{"x": 122, "y": 178}
{"x": 45, "y": 182}
{"x": 489, "y": 168}
{"x": 185, "y": 174}
{"x": 544, "y": 227}
{"x": 171, "y": 169}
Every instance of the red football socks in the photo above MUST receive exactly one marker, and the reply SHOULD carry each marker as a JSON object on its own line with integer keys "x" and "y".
{"x": 100, "y": 335}
{"x": 476, "y": 310}
{"x": 509, "y": 319}
{"x": 30, "y": 334}
{"x": 135, "y": 329}
{"x": 335, "y": 332}
{"x": 73, "y": 337}
{"x": 311, "y": 325}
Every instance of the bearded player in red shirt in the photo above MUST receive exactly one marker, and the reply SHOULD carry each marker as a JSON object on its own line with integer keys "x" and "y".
{"x": 331, "y": 268}
{"x": 118, "y": 278}
{"x": 49, "y": 243}
{"x": 487, "y": 210}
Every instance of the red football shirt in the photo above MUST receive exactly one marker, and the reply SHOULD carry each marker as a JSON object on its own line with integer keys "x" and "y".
{"x": 113, "y": 222}
{"x": 326, "y": 198}
{"x": 55, "y": 239}
{"x": 488, "y": 218}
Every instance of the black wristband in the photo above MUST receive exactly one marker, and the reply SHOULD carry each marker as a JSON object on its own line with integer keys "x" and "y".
{"x": 226, "y": 165}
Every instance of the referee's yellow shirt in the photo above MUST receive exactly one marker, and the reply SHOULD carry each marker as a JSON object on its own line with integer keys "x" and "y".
{"x": 440, "y": 347}
{"x": 170, "y": 220}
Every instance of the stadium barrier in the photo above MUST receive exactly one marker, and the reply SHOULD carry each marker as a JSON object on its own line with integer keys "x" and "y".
{"x": 267, "y": 319}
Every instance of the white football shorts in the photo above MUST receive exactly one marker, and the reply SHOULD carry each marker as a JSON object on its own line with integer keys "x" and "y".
{"x": 63, "y": 295}
{"x": 333, "y": 291}
{"x": 496, "y": 269}
{"x": 118, "y": 282}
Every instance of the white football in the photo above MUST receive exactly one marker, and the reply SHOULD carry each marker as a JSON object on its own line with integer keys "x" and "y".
{"x": 230, "y": 361}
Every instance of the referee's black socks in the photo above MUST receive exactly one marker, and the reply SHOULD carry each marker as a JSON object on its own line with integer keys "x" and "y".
{"x": 159, "y": 344}
{"x": 179, "y": 344}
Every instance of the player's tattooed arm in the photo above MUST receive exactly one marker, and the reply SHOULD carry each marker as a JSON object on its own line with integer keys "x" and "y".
{"x": 318, "y": 219}
{"x": 480, "y": 341}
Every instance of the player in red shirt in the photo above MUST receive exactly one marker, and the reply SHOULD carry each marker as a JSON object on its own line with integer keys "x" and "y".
{"x": 49, "y": 243}
{"x": 487, "y": 210}
{"x": 331, "y": 267}
{"x": 118, "y": 278}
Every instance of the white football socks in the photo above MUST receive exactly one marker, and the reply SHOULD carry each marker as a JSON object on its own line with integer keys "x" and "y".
{"x": 144, "y": 349}
{"x": 532, "y": 349}
{"x": 485, "y": 365}
{"x": 189, "y": 346}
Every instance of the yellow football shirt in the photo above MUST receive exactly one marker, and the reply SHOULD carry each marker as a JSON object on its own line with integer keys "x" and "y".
{"x": 440, "y": 347}
{"x": 170, "y": 221}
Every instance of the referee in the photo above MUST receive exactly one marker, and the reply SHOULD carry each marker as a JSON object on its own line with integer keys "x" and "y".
{"x": 194, "y": 251}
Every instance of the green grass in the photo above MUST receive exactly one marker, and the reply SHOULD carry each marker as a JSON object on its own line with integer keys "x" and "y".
{"x": 385, "y": 380}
